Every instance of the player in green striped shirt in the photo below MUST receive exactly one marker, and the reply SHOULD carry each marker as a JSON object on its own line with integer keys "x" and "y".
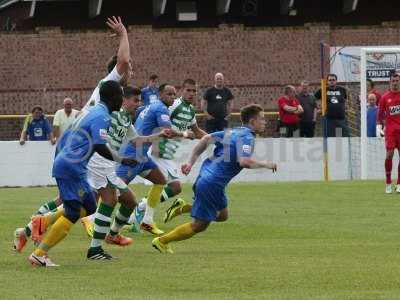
{"x": 163, "y": 152}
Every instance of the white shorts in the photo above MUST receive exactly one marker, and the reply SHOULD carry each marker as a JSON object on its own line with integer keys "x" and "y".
{"x": 101, "y": 173}
{"x": 168, "y": 167}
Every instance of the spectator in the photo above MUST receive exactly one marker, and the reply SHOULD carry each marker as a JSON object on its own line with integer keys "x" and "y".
{"x": 217, "y": 105}
{"x": 371, "y": 90}
{"x": 371, "y": 115}
{"x": 309, "y": 116}
{"x": 37, "y": 127}
{"x": 150, "y": 93}
{"x": 289, "y": 110}
{"x": 336, "y": 97}
{"x": 64, "y": 118}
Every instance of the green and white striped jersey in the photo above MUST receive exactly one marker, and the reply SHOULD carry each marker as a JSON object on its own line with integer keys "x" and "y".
{"x": 182, "y": 116}
{"x": 121, "y": 129}
{"x": 95, "y": 97}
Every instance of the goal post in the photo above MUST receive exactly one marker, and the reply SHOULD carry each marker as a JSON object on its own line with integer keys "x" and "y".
{"x": 364, "y": 69}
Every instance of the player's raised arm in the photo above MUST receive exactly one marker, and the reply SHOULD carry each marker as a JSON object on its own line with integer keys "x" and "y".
{"x": 123, "y": 54}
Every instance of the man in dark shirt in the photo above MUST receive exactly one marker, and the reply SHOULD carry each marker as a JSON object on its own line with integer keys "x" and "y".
{"x": 336, "y": 97}
{"x": 217, "y": 105}
{"x": 309, "y": 104}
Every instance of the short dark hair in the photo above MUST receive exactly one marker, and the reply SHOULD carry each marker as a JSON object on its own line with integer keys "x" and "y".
{"x": 394, "y": 74}
{"x": 153, "y": 77}
{"x": 331, "y": 75}
{"x": 112, "y": 63}
{"x": 161, "y": 88}
{"x": 189, "y": 81}
{"x": 110, "y": 91}
{"x": 249, "y": 111}
{"x": 37, "y": 107}
{"x": 130, "y": 91}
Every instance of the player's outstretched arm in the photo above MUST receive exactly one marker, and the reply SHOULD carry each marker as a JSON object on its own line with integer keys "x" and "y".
{"x": 200, "y": 147}
{"x": 165, "y": 133}
{"x": 250, "y": 163}
{"x": 198, "y": 132}
{"x": 123, "y": 55}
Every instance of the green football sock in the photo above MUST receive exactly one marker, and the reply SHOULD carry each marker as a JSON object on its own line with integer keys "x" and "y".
{"x": 166, "y": 194}
{"x": 102, "y": 221}
{"x": 121, "y": 218}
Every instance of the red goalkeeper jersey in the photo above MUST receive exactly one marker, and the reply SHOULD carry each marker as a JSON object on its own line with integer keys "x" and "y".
{"x": 389, "y": 110}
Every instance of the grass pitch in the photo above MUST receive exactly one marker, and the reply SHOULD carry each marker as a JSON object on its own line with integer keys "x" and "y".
{"x": 283, "y": 241}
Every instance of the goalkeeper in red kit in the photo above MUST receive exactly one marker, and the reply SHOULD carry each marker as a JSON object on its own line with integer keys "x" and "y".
{"x": 389, "y": 115}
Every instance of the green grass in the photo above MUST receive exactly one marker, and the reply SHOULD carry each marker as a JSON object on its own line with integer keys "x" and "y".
{"x": 282, "y": 241}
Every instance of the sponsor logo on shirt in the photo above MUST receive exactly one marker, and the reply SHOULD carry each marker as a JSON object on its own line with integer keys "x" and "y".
{"x": 165, "y": 118}
{"x": 334, "y": 100}
{"x": 37, "y": 132}
{"x": 394, "y": 110}
{"x": 103, "y": 133}
{"x": 153, "y": 98}
{"x": 333, "y": 93}
{"x": 219, "y": 97}
{"x": 246, "y": 149}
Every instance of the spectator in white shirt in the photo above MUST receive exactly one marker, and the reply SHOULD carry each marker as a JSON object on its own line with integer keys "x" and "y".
{"x": 64, "y": 118}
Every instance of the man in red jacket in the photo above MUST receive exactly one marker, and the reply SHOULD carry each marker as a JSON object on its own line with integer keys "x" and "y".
{"x": 289, "y": 110}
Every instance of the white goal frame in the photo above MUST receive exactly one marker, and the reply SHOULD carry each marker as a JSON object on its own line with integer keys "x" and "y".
{"x": 363, "y": 102}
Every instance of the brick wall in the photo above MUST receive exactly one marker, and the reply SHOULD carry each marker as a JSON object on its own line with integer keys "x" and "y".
{"x": 45, "y": 66}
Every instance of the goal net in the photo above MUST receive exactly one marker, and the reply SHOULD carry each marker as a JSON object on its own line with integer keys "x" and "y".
{"x": 353, "y": 66}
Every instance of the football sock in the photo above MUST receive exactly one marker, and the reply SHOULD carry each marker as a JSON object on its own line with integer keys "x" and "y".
{"x": 47, "y": 207}
{"x": 121, "y": 218}
{"x": 398, "y": 173}
{"x": 52, "y": 217}
{"x": 388, "y": 170}
{"x": 142, "y": 204}
{"x": 153, "y": 198}
{"x": 181, "y": 232}
{"x": 166, "y": 194}
{"x": 102, "y": 221}
{"x": 28, "y": 229}
{"x": 56, "y": 233}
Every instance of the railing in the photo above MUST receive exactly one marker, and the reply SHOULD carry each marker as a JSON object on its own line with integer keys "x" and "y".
{"x": 268, "y": 113}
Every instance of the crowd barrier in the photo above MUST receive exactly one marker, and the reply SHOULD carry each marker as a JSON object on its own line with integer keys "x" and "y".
{"x": 298, "y": 159}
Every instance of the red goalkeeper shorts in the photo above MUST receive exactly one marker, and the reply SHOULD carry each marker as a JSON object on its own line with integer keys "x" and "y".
{"x": 392, "y": 140}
